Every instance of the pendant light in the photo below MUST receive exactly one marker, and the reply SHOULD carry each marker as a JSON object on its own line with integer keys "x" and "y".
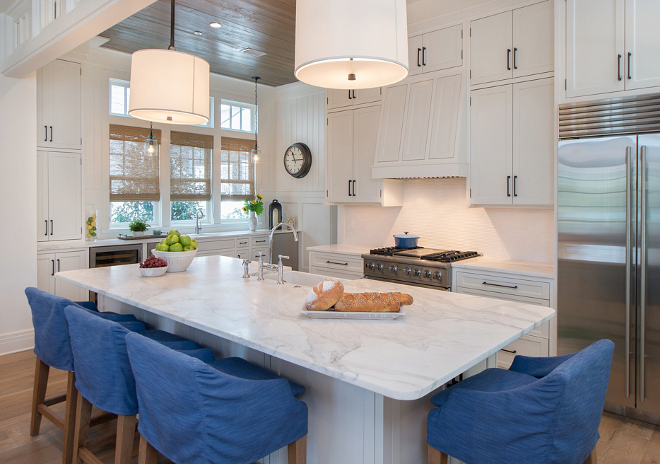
{"x": 256, "y": 151}
{"x": 169, "y": 86}
{"x": 150, "y": 141}
{"x": 344, "y": 44}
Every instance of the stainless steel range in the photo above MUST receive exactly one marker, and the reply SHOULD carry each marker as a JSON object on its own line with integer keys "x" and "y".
{"x": 424, "y": 267}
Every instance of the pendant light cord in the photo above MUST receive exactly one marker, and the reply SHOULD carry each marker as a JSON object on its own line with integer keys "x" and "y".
{"x": 171, "y": 47}
{"x": 256, "y": 113}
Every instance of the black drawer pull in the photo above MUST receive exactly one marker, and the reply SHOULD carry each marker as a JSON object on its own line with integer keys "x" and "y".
{"x": 260, "y": 241}
{"x": 499, "y": 285}
{"x": 46, "y": 221}
{"x": 53, "y": 263}
{"x": 508, "y": 351}
{"x": 335, "y": 262}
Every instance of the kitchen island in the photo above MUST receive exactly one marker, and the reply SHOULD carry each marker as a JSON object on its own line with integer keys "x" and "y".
{"x": 368, "y": 382}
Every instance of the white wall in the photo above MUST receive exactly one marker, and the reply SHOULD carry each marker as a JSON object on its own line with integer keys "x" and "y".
{"x": 18, "y": 209}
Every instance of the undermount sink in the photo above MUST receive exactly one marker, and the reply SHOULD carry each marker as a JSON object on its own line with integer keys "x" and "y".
{"x": 300, "y": 278}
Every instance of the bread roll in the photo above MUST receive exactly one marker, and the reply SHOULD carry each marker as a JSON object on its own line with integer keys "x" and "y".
{"x": 324, "y": 295}
{"x": 372, "y": 302}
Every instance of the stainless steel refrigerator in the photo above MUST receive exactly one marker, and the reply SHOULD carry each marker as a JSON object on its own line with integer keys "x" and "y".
{"x": 609, "y": 244}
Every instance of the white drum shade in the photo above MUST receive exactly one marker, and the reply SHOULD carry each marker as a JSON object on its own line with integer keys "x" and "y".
{"x": 340, "y": 39}
{"x": 169, "y": 86}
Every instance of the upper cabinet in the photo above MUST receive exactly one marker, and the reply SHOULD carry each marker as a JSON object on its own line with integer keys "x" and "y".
{"x": 512, "y": 44}
{"x": 339, "y": 98}
{"x": 58, "y": 100}
{"x": 611, "y": 45}
{"x": 433, "y": 51}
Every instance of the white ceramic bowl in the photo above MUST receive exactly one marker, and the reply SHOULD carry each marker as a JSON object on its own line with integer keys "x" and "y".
{"x": 153, "y": 271}
{"x": 176, "y": 261}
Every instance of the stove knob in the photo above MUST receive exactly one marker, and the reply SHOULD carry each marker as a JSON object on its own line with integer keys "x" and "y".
{"x": 438, "y": 275}
{"x": 393, "y": 269}
{"x": 372, "y": 266}
{"x": 407, "y": 271}
{"x": 381, "y": 267}
{"x": 418, "y": 272}
{"x": 428, "y": 274}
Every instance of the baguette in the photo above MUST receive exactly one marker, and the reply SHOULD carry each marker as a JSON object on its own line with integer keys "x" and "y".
{"x": 372, "y": 302}
{"x": 324, "y": 295}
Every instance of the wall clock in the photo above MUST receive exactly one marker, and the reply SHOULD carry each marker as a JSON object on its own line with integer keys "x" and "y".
{"x": 297, "y": 160}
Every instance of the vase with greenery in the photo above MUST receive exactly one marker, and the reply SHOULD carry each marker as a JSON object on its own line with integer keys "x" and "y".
{"x": 254, "y": 208}
{"x": 138, "y": 227}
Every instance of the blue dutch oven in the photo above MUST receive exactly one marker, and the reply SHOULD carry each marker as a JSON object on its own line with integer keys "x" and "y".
{"x": 405, "y": 241}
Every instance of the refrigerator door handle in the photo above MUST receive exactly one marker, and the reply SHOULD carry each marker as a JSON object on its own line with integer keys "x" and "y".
{"x": 628, "y": 269}
{"x": 642, "y": 292}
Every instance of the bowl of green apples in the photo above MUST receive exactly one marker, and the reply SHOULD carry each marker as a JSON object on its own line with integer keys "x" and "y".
{"x": 178, "y": 250}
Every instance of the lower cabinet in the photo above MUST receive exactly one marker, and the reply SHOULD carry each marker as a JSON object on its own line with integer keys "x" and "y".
{"x": 48, "y": 264}
{"x": 340, "y": 265}
{"x": 512, "y": 288}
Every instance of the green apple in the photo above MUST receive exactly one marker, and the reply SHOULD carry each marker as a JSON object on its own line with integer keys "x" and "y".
{"x": 185, "y": 240}
{"x": 174, "y": 232}
{"x": 193, "y": 243}
{"x": 164, "y": 241}
{"x": 162, "y": 247}
{"x": 176, "y": 247}
{"x": 172, "y": 239}
{"x": 188, "y": 248}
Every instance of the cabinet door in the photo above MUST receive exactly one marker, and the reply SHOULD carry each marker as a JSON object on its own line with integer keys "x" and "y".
{"x": 443, "y": 49}
{"x": 533, "y": 44}
{"x": 415, "y": 55}
{"x": 64, "y": 196}
{"x": 447, "y": 98}
{"x": 338, "y": 97}
{"x": 594, "y": 46}
{"x": 61, "y": 104}
{"x": 45, "y": 272}
{"x": 533, "y": 143}
{"x": 365, "y": 138}
{"x": 71, "y": 261}
{"x": 418, "y": 114}
{"x": 43, "y": 226}
{"x": 45, "y": 104}
{"x": 490, "y": 146}
{"x": 642, "y": 39}
{"x": 391, "y": 124}
{"x": 491, "y": 49}
{"x": 339, "y": 171}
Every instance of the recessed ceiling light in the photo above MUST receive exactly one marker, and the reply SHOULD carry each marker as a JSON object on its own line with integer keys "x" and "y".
{"x": 215, "y": 24}
{"x": 197, "y": 32}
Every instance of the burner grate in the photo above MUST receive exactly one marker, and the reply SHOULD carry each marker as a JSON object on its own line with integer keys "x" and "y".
{"x": 450, "y": 256}
{"x": 389, "y": 251}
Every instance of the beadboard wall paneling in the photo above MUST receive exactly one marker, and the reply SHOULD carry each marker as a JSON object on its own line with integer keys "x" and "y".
{"x": 435, "y": 210}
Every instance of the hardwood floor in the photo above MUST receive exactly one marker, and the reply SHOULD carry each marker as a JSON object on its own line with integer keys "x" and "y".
{"x": 622, "y": 441}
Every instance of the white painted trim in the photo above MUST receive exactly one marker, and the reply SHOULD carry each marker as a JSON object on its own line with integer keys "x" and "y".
{"x": 16, "y": 341}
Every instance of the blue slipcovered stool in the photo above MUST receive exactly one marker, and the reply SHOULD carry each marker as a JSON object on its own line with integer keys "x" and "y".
{"x": 541, "y": 411}
{"x": 52, "y": 345}
{"x": 225, "y": 412}
{"x": 104, "y": 378}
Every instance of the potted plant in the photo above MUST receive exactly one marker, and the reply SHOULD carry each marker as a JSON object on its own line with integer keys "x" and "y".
{"x": 138, "y": 227}
{"x": 255, "y": 208}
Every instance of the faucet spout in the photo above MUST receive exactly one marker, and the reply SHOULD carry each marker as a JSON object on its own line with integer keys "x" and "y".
{"x": 270, "y": 238}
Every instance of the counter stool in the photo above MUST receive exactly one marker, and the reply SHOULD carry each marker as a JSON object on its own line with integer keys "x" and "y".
{"x": 104, "y": 378}
{"x": 52, "y": 345}
{"x": 198, "y": 412}
{"x": 541, "y": 410}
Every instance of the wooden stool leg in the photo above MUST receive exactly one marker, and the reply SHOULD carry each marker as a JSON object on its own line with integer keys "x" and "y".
{"x": 41, "y": 371}
{"x": 69, "y": 418}
{"x": 436, "y": 456}
{"x": 592, "y": 458}
{"x": 298, "y": 451}
{"x": 147, "y": 453}
{"x": 125, "y": 437}
{"x": 83, "y": 418}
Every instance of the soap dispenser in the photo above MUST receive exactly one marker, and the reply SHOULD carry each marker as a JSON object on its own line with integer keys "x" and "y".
{"x": 274, "y": 214}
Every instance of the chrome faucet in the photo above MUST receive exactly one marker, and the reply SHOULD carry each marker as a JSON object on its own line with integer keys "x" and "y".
{"x": 246, "y": 268}
{"x": 260, "y": 265}
{"x": 270, "y": 239}
{"x": 198, "y": 228}
{"x": 280, "y": 269}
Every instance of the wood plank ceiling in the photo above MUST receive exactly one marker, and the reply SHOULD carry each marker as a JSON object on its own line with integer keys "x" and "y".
{"x": 263, "y": 25}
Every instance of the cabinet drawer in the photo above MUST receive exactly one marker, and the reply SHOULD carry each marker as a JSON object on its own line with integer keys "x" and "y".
{"x": 338, "y": 273}
{"x": 341, "y": 263}
{"x": 503, "y": 285}
{"x": 243, "y": 253}
{"x": 211, "y": 245}
{"x": 259, "y": 242}
{"x": 525, "y": 346}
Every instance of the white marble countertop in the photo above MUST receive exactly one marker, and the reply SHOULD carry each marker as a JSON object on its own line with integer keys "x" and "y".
{"x": 441, "y": 335}
{"x": 510, "y": 266}
{"x": 340, "y": 249}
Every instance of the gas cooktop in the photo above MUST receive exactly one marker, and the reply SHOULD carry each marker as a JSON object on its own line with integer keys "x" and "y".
{"x": 430, "y": 254}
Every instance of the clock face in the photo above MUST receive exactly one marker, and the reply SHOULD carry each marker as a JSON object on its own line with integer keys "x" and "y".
{"x": 297, "y": 160}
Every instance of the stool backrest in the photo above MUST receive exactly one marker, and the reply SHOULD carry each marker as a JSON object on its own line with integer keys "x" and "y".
{"x": 103, "y": 372}
{"x": 192, "y": 412}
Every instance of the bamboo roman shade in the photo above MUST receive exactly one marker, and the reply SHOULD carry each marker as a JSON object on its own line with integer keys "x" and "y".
{"x": 190, "y": 166}
{"x": 133, "y": 171}
{"x": 236, "y": 169}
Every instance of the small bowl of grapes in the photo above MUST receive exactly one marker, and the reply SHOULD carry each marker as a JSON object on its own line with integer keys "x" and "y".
{"x": 153, "y": 267}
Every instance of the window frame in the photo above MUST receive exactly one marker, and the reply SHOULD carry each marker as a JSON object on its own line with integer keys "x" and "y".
{"x": 126, "y": 85}
{"x": 250, "y": 106}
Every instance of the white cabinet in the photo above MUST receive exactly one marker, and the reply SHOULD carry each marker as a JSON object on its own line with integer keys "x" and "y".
{"x": 59, "y": 196}
{"x": 433, "y": 51}
{"x": 50, "y": 263}
{"x": 338, "y": 98}
{"x": 351, "y": 137}
{"x": 642, "y": 39}
{"x": 59, "y": 107}
{"x": 340, "y": 265}
{"x": 512, "y": 144}
{"x": 512, "y": 44}
{"x": 418, "y": 127}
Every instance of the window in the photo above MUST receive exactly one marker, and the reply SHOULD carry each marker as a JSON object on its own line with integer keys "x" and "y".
{"x": 211, "y": 122}
{"x": 190, "y": 174}
{"x": 120, "y": 92}
{"x": 134, "y": 177}
{"x": 237, "y": 116}
{"x": 236, "y": 176}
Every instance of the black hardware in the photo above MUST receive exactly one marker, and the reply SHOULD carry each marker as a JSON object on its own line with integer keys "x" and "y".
{"x": 515, "y": 178}
{"x": 419, "y": 52}
{"x": 508, "y": 59}
{"x": 354, "y": 194}
{"x": 629, "y": 55}
{"x": 424, "y": 56}
{"x": 500, "y": 285}
{"x": 619, "y": 69}
{"x": 46, "y": 221}
{"x": 349, "y": 188}
{"x": 51, "y": 133}
{"x": 354, "y": 96}
{"x": 349, "y": 95}
{"x": 260, "y": 241}
{"x": 334, "y": 262}
{"x": 51, "y": 227}
{"x": 58, "y": 266}
{"x": 508, "y": 186}
{"x": 515, "y": 52}
{"x": 509, "y": 351}
{"x": 45, "y": 133}
{"x": 53, "y": 263}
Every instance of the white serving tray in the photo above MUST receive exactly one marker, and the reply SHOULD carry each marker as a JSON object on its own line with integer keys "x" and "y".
{"x": 351, "y": 315}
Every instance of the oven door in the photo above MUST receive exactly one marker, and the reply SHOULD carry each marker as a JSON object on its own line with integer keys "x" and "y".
{"x": 407, "y": 282}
